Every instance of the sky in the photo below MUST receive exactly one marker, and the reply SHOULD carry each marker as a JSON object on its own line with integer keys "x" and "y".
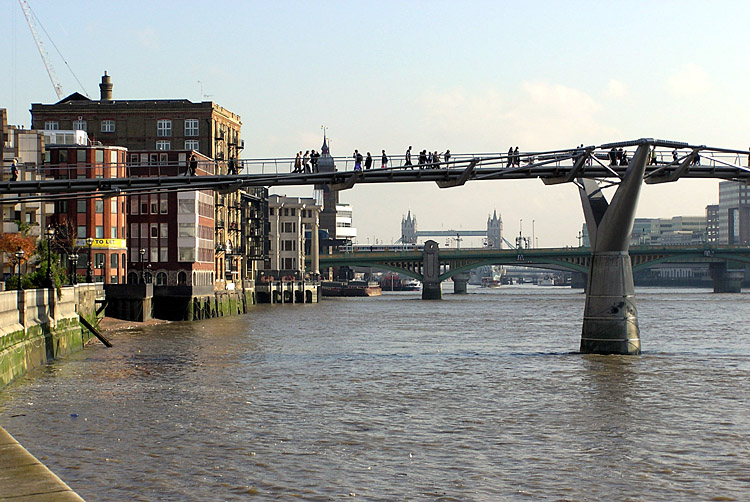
{"x": 469, "y": 76}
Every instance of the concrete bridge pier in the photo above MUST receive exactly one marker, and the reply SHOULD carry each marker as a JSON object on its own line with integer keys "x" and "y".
{"x": 459, "y": 283}
{"x": 724, "y": 280}
{"x": 431, "y": 287}
{"x": 610, "y": 317}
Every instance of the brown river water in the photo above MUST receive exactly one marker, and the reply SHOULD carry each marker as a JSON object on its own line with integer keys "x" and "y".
{"x": 478, "y": 397}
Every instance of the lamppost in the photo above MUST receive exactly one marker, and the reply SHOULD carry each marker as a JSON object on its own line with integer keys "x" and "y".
{"x": 19, "y": 257}
{"x": 50, "y": 235}
{"x": 142, "y": 252}
{"x": 89, "y": 271}
{"x": 73, "y": 257}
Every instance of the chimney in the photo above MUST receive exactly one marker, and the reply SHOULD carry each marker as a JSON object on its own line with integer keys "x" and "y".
{"x": 105, "y": 88}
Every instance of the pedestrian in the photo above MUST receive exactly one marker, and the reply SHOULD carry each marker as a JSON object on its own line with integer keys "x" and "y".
{"x": 368, "y": 161}
{"x": 447, "y": 156}
{"x": 407, "y": 162}
{"x": 436, "y": 160}
{"x": 14, "y": 171}
{"x": 653, "y": 156}
{"x": 314, "y": 156}
{"x": 510, "y": 157}
{"x": 193, "y": 166}
{"x": 298, "y": 162}
{"x": 624, "y": 158}
{"x": 384, "y": 161}
{"x": 357, "y": 160}
{"x": 422, "y": 158}
{"x": 429, "y": 159}
{"x": 619, "y": 155}
{"x": 232, "y": 166}
{"x": 674, "y": 156}
{"x": 517, "y": 157}
{"x": 306, "y": 162}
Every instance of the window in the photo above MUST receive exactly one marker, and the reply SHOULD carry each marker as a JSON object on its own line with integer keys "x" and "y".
{"x": 62, "y": 206}
{"x": 81, "y": 231}
{"x": 163, "y": 201}
{"x": 163, "y": 230}
{"x": 161, "y": 279}
{"x": 163, "y": 127}
{"x": 99, "y": 206}
{"x": 51, "y": 125}
{"x": 114, "y": 258}
{"x": 99, "y": 260}
{"x": 80, "y": 206}
{"x": 191, "y": 127}
{"x": 80, "y": 125}
{"x": 163, "y": 145}
{"x": 99, "y": 156}
{"x": 113, "y": 206}
{"x": 108, "y": 126}
{"x": 99, "y": 232}
{"x": 113, "y": 232}
{"x": 270, "y": 211}
{"x": 192, "y": 144}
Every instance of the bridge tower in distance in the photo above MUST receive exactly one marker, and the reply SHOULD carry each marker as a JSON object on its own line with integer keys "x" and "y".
{"x": 495, "y": 231}
{"x": 409, "y": 229}
{"x": 329, "y": 198}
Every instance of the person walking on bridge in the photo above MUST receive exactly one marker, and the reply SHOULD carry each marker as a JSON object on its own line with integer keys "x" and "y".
{"x": 422, "y": 158}
{"x": 517, "y": 157}
{"x": 357, "y": 160}
{"x": 298, "y": 162}
{"x": 447, "y": 157}
{"x": 510, "y": 157}
{"x": 384, "y": 160}
{"x": 306, "y": 162}
{"x": 193, "y": 165}
{"x": 14, "y": 171}
{"x": 368, "y": 161}
{"x": 314, "y": 160}
{"x": 407, "y": 162}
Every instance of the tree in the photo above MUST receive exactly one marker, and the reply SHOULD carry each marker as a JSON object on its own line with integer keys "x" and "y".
{"x": 10, "y": 243}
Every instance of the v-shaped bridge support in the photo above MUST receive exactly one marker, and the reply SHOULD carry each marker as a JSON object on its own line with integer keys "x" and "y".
{"x": 610, "y": 318}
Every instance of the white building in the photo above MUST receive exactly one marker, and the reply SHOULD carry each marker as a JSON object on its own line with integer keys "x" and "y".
{"x": 344, "y": 225}
{"x": 290, "y": 220}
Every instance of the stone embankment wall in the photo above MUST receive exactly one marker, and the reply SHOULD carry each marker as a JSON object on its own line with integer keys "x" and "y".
{"x": 40, "y": 325}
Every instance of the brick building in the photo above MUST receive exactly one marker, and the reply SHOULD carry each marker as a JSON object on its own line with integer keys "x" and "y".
{"x": 93, "y": 228}
{"x": 145, "y": 124}
{"x": 170, "y": 236}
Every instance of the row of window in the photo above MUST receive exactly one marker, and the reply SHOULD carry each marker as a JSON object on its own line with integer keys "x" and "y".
{"x": 163, "y": 126}
{"x": 290, "y": 211}
{"x": 190, "y": 144}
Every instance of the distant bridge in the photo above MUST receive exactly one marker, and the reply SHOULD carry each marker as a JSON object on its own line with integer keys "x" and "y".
{"x": 455, "y": 262}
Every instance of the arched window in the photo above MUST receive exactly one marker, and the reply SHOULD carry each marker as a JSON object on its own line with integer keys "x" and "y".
{"x": 161, "y": 278}
{"x": 181, "y": 278}
{"x": 132, "y": 278}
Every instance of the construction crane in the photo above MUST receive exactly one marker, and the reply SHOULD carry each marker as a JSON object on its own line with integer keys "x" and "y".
{"x": 40, "y": 45}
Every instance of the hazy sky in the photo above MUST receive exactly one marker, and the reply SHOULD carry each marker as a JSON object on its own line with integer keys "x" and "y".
{"x": 469, "y": 76}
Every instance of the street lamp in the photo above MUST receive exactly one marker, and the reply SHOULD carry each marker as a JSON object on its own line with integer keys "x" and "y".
{"x": 73, "y": 257}
{"x": 50, "y": 235}
{"x": 142, "y": 252}
{"x": 19, "y": 257}
{"x": 89, "y": 271}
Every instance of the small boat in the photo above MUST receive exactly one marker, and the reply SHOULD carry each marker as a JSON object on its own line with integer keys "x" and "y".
{"x": 410, "y": 285}
{"x": 547, "y": 280}
{"x": 489, "y": 282}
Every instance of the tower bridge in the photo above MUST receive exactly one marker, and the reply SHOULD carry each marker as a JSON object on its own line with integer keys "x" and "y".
{"x": 610, "y": 319}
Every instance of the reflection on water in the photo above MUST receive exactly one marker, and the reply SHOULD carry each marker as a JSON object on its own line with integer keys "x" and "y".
{"x": 476, "y": 397}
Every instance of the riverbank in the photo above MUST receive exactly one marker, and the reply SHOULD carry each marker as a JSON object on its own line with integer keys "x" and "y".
{"x": 23, "y": 477}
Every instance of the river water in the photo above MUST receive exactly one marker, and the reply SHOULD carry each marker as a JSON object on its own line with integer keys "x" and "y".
{"x": 474, "y": 398}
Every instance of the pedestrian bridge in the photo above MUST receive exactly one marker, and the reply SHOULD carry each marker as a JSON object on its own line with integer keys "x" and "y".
{"x": 455, "y": 263}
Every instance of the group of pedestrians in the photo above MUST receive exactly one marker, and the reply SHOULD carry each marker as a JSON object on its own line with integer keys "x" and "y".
{"x": 514, "y": 157}
{"x": 618, "y": 156}
{"x": 307, "y": 162}
{"x": 368, "y": 160}
{"x": 427, "y": 159}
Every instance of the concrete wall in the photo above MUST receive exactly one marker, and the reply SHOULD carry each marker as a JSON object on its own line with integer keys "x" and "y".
{"x": 40, "y": 325}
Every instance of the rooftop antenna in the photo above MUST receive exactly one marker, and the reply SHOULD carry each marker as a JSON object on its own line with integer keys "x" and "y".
{"x": 203, "y": 96}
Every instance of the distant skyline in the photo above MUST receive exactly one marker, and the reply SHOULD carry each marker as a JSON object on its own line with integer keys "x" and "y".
{"x": 466, "y": 76}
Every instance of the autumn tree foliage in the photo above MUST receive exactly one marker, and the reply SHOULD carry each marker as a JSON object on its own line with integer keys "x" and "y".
{"x": 12, "y": 242}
